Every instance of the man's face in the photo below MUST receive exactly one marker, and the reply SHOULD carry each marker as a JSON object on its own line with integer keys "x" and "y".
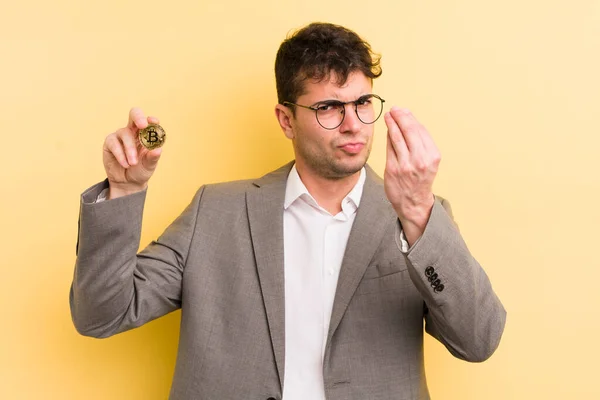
{"x": 336, "y": 153}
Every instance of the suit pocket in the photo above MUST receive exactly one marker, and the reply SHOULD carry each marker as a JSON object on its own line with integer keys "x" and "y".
{"x": 383, "y": 268}
{"x": 382, "y": 277}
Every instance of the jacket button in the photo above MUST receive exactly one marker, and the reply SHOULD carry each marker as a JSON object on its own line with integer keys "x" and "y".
{"x": 429, "y": 271}
{"x": 271, "y": 398}
{"x": 435, "y": 283}
{"x": 439, "y": 288}
{"x": 432, "y": 277}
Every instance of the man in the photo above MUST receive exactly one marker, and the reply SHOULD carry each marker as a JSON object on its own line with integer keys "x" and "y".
{"x": 311, "y": 282}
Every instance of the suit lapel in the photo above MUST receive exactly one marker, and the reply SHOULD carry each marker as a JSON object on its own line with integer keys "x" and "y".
{"x": 265, "y": 213}
{"x": 372, "y": 220}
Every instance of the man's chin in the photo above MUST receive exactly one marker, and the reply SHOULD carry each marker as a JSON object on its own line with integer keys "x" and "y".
{"x": 343, "y": 170}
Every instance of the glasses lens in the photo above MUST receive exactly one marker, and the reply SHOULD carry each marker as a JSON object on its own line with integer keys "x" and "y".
{"x": 330, "y": 114}
{"x": 369, "y": 108}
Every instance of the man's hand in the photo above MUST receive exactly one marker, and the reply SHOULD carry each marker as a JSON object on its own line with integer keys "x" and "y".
{"x": 128, "y": 164}
{"x": 411, "y": 165}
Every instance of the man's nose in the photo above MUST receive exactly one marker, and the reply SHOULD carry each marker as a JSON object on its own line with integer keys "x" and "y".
{"x": 351, "y": 123}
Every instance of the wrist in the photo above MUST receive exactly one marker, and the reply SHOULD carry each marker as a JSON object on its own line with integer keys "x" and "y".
{"x": 414, "y": 218}
{"x": 116, "y": 190}
{"x": 413, "y": 213}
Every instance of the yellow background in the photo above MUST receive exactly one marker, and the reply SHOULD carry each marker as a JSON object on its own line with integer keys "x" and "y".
{"x": 509, "y": 90}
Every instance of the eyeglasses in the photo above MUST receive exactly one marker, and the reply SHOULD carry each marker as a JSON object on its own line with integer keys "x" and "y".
{"x": 330, "y": 113}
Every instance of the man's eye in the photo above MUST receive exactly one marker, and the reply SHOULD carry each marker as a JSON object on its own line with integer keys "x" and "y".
{"x": 362, "y": 102}
{"x": 325, "y": 107}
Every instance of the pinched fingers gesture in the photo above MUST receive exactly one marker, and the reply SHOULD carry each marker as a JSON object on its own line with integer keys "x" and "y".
{"x": 410, "y": 169}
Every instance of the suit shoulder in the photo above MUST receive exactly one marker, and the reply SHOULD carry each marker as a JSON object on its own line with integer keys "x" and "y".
{"x": 230, "y": 189}
{"x": 221, "y": 198}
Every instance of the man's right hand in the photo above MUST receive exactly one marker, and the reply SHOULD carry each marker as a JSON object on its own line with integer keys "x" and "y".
{"x": 128, "y": 164}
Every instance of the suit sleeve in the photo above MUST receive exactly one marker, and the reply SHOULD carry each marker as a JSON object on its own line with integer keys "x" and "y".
{"x": 461, "y": 309}
{"x": 114, "y": 289}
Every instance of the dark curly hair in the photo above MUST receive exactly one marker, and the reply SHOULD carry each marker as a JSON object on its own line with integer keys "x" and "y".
{"x": 317, "y": 50}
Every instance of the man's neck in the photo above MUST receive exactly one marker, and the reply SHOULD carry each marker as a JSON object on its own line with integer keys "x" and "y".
{"x": 328, "y": 193}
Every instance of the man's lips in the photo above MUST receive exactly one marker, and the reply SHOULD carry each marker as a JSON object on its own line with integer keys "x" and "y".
{"x": 352, "y": 148}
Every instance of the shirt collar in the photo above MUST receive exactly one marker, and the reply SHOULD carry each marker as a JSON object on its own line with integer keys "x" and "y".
{"x": 295, "y": 188}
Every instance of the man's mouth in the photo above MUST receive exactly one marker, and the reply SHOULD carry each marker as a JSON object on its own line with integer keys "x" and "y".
{"x": 352, "y": 148}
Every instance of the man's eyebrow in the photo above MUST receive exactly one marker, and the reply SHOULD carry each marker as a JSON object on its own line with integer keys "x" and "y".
{"x": 335, "y": 101}
{"x": 327, "y": 101}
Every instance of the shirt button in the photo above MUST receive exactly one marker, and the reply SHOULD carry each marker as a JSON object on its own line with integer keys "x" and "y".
{"x": 331, "y": 271}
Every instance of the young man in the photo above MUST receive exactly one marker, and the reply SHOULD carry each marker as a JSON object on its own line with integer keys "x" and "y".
{"x": 311, "y": 282}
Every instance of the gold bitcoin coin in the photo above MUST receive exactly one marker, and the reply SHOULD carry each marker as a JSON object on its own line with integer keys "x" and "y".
{"x": 153, "y": 136}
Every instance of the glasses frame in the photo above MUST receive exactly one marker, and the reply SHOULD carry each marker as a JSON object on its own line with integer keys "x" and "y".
{"x": 315, "y": 109}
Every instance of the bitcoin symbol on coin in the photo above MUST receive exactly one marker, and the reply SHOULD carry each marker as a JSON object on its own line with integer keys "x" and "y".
{"x": 153, "y": 136}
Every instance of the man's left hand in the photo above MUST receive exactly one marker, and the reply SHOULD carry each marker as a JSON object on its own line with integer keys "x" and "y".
{"x": 411, "y": 166}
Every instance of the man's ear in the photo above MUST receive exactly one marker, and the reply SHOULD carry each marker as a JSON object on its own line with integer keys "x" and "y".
{"x": 284, "y": 117}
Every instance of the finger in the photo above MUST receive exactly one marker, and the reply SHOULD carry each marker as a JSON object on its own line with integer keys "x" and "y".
{"x": 390, "y": 152}
{"x": 153, "y": 120}
{"x": 151, "y": 159}
{"x": 430, "y": 148}
{"x": 113, "y": 144}
{"x": 136, "y": 119}
{"x": 130, "y": 145}
{"x": 410, "y": 128}
{"x": 428, "y": 143}
{"x": 396, "y": 137}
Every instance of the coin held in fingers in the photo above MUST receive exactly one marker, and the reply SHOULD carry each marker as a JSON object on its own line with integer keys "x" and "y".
{"x": 153, "y": 136}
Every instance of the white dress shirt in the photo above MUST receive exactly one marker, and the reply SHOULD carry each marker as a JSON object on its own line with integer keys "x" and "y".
{"x": 314, "y": 245}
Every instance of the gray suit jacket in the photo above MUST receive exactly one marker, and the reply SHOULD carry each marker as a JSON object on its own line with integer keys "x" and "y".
{"x": 221, "y": 262}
